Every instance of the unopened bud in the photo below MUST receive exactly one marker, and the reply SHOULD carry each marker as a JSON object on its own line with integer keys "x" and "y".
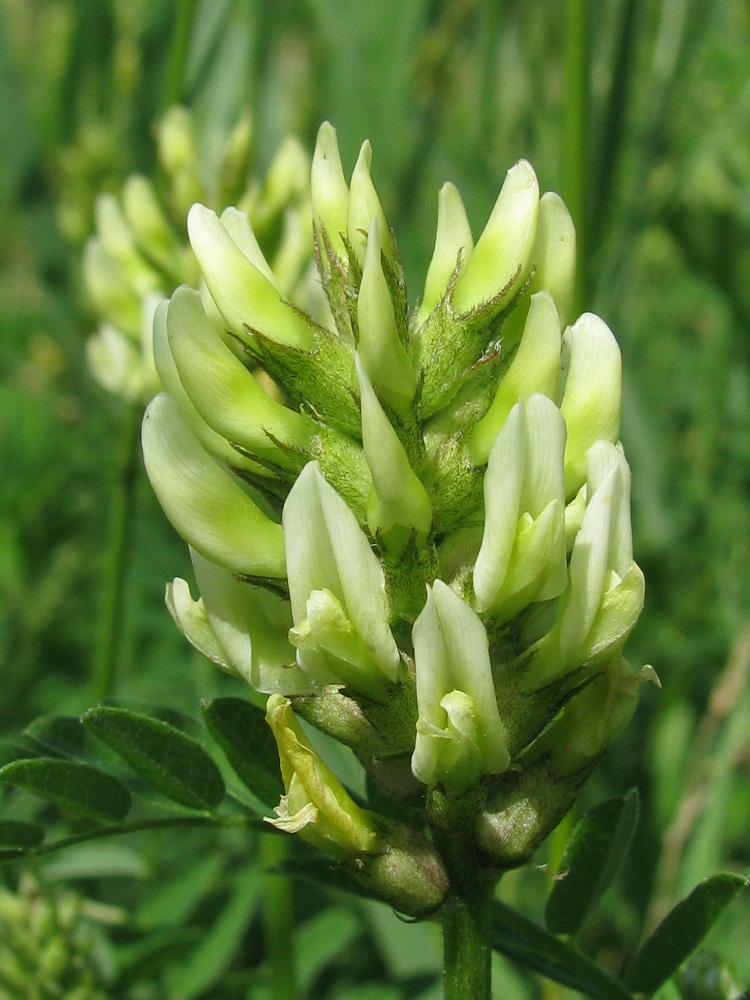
{"x": 502, "y": 258}
{"x": 246, "y": 298}
{"x": 534, "y": 368}
{"x": 398, "y": 497}
{"x": 384, "y": 357}
{"x": 591, "y": 393}
{"x": 453, "y": 246}
{"x": 363, "y": 204}
{"x": 330, "y": 192}
{"x": 223, "y": 391}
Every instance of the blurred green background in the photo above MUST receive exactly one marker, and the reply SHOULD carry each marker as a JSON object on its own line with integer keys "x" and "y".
{"x": 638, "y": 113}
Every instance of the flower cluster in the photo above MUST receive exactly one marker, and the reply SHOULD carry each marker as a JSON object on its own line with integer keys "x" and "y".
{"x": 140, "y": 251}
{"x": 419, "y": 541}
{"x": 47, "y": 945}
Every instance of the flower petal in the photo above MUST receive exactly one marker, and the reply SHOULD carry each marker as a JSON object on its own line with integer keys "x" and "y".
{"x": 203, "y": 503}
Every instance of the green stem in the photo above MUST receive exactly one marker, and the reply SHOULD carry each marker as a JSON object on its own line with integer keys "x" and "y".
{"x": 174, "y": 90}
{"x": 467, "y": 923}
{"x": 278, "y": 917}
{"x": 119, "y": 829}
{"x": 117, "y": 559}
{"x": 575, "y": 130}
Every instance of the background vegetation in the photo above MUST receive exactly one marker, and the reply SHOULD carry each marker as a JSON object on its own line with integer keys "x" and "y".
{"x": 638, "y": 112}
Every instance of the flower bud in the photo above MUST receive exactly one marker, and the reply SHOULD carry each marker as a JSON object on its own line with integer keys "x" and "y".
{"x": 330, "y": 192}
{"x": 115, "y": 362}
{"x": 459, "y": 733}
{"x": 383, "y": 356}
{"x": 337, "y": 591}
{"x": 223, "y": 391}
{"x": 109, "y": 294}
{"x": 555, "y": 255}
{"x": 203, "y": 503}
{"x": 591, "y": 393}
{"x": 522, "y": 556}
{"x": 502, "y": 258}
{"x": 149, "y": 225}
{"x": 246, "y": 298}
{"x": 363, "y": 204}
{"x": 118, "y": 241}
{"x": 288, "y": 178}
{"x": 291, "y": 263}
{"x": 175, "y": 140}
{"x": 453, "y": 246}
{"x": 398, "y": 498}
{"x": 316, "y": 804}
{"x": 236, "y": 159}
{"x": 177, "y": 150}
{"x": 216, "y": 445}
{"x": 534, "y": 368}
{"x": 239, "y": 627}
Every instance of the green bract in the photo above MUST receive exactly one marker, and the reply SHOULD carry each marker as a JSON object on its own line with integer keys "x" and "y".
{"x": 415, "y": 531}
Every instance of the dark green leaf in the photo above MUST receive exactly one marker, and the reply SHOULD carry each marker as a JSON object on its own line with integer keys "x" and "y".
{"x": 527, "y": 943}
{"x": 58, "y": 734}
{"x": 591, "y": 861}
{"x": 240, "y": 729}
{"x": 681, "y": 931}
{"x": 72, "y": 786}
{"x": 174, "y": 764}
{"x": 15, "y": 834}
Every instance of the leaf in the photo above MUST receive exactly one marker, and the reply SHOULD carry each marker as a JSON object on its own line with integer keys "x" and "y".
{"x": 96, "y": 859}
{"x": 210, "y": 960}
{"x": 75, "y": 787}
{"x": 62, "y": 735}
{"x": 171, "y": 762}
{"x": 177, "y": 897}
{"x": 10, "y": 752}
{"x": 526, "y": 942}
{"x": 681, "y": 931}
{"x": 592, "y": 859}
{"x": 240, "y": 729}
{"x": 321, "y": 939}
{"x": 15, "y": 834}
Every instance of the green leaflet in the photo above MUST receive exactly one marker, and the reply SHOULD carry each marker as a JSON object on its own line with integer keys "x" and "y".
{"x": 240, "y": 729}
{"x": 592, "y": 859}
{"x": 681, "y": 931}
{"x": 75, "y": 787}
{"x": 171, "y": 762}
{"x": 527, "y": 943}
